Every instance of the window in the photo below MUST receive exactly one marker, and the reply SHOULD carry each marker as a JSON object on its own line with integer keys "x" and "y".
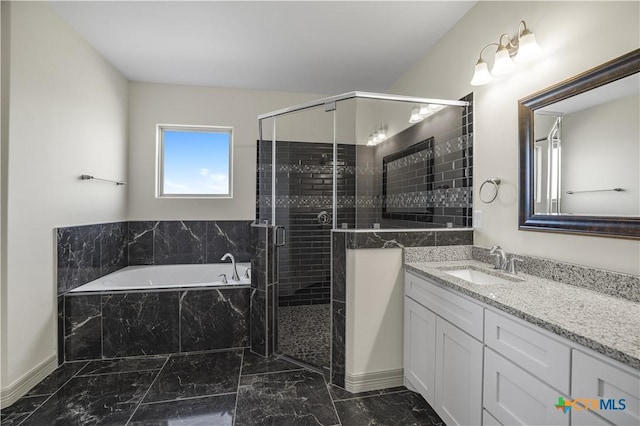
{"x": 194, "y": 161}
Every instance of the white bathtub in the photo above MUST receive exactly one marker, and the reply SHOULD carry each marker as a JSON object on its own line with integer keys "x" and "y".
{"x": 150, "y": 277}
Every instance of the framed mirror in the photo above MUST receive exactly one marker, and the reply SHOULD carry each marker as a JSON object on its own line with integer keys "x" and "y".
{"x": 580, "y": 153}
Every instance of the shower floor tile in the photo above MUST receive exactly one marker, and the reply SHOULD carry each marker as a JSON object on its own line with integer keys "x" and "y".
{"x": 304, "y": 333}
{"x": 249, "y": 390}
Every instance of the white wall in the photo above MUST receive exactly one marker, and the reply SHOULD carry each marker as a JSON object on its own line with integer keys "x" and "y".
{"x": 575, "y": 36}
{"x": 67, "y": 116}
{"x": 601, "y": 150}
{"x": 151, "y": 104}
{"x": 375, "y": 301}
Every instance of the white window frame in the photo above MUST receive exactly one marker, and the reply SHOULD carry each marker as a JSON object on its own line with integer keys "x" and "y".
{"x": 160, "y": 129}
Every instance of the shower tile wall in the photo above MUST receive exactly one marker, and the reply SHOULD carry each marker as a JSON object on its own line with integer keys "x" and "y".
{"x": 304, "y": 188}
{"x": 421, "y": 177}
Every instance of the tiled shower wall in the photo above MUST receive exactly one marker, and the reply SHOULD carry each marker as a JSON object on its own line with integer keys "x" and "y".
{"x": 304, "y": 188}
{"x": 426, "y": 175}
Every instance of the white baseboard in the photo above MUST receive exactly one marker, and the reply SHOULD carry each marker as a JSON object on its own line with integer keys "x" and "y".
{"x": 376, "y": 380}
{"x": 21, "y": 386}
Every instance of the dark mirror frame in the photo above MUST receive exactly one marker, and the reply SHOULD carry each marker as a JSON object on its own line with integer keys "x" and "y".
{"x": 605, "y": 226}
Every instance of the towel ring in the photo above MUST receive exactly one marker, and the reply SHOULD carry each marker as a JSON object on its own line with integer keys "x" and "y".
{"x": 495, "y": 182}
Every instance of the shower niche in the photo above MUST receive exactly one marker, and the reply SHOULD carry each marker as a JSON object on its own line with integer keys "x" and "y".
{"x": 356, "y": 161}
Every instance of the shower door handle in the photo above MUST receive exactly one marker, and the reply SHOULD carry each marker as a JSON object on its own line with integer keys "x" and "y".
{"x": 283, "y": 234}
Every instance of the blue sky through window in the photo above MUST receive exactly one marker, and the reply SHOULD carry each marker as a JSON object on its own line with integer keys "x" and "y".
{"x": 196, "y": 162}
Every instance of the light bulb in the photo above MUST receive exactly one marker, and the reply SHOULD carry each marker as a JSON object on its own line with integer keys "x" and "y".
{"x": 481, "y": 74}
{"x": 502, "y": 63}
{"x": 415, "y": 115}
{"x": 528, "y": 48}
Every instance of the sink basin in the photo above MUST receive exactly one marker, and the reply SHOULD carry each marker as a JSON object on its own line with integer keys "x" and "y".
{"x": 476, "y": 277}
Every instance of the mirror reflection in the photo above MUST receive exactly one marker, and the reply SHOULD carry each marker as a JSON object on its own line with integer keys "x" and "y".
{"x": 586, "y": 153}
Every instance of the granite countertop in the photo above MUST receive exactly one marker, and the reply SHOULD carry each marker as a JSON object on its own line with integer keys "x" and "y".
{"x": 606, "y": 324}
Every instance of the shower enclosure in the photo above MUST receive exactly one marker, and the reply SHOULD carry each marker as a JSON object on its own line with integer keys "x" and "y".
{"x": 355, "y": 161}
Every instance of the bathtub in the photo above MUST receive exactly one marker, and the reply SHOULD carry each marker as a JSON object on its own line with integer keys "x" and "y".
{"x": 154, "y": 277}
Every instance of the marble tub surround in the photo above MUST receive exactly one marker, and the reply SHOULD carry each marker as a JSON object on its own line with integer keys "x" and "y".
{"x": 120, "y": 324}
{"x": 88, "y": 252}
{"x": 194, "y": 241}
{"x": 606, "y": 324}
{"x": 209, "y": 388}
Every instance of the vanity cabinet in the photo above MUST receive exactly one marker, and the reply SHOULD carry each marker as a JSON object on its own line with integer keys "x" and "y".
{"x": 592, "y": 377}
{"x": 515, "y": 397}
{"x": 419, "y": 349}
{"x": 441, "y": 361}
{"x": 475, "y": 365}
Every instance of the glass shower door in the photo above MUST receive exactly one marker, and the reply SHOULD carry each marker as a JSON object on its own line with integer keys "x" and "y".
{"x": 303, "y": 209}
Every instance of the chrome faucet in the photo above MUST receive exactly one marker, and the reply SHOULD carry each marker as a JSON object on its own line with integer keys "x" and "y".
{"x": 500, "y": 261}
{"x": 235, "y": 276}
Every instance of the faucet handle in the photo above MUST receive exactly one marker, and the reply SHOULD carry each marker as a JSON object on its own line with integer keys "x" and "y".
{"x": 246, "y": 273}
{"x": 224, "y": 278}
{"x": 511, "y": 268}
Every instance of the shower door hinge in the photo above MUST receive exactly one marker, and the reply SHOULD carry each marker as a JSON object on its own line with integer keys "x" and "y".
{"x": 330, "y": 106}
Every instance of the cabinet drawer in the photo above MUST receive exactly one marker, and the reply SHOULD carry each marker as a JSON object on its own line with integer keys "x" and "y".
{"x": 515, "y": 397}
{"x": 489, "y": 420}
{"x": 596, "y": 379}
{"x": 586, "y": 418}
{"x": 540, "y": 355}
{"x": 459, "y": 311}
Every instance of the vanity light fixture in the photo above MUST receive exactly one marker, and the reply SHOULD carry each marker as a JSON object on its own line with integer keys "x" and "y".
{"x": 422, "y": 111}
{"x": 523, "y": 48}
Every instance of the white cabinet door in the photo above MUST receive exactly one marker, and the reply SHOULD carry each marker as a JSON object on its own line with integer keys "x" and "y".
{"x": 458, "y": 390}
{"x": 514, "y": 397}
{"x": 596, "y": 379}
{"x": 419, "y": 348}
{"x": 586, "y": 418}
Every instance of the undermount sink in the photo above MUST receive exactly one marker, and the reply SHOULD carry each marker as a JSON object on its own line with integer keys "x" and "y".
{"x": 475, "y": 276}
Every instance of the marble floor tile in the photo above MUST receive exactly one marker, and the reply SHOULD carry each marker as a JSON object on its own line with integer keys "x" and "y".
{"x": 108, "y": 399}
{"x": 401, "y": 409}
{"x": 192, "y": 375}
{"x": 206, "y": 411}
{"x": 123, "y": 365}
{"x": 20, "y": 409}
{"x": 291, "y": 398}
{"x": 55, "y": 380}
{"x": 256, "y": 364}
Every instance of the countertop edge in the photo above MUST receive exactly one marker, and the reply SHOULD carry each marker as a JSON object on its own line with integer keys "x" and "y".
{"x": 603, "y": 349}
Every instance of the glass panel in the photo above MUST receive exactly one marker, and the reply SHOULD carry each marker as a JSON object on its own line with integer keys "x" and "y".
{"x": 264, "y": 170}
{"x": 304, "y": 208}
{"x": 409, "y": 174}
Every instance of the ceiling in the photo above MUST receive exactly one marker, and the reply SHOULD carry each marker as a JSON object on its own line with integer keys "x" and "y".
{"x": 326, "y": 47}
